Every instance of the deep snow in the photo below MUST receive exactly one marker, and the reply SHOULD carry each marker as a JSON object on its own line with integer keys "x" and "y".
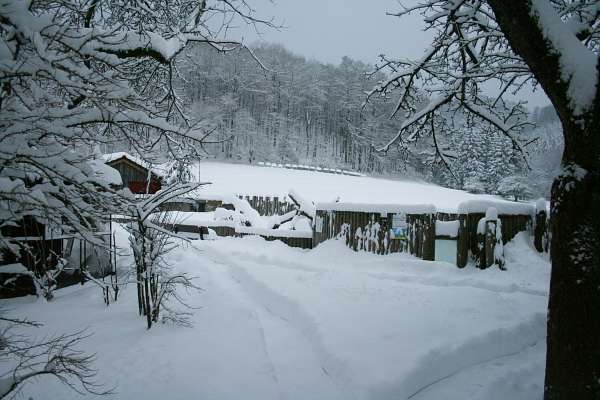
{"x": 326, "y": 188}
{"x": 281, "y": 323}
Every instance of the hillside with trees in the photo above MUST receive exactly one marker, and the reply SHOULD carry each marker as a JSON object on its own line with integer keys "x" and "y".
{"x": 287, "y": 109}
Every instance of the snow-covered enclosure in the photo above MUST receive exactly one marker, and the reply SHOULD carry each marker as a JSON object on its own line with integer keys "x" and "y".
{"x": 322, "y": 188}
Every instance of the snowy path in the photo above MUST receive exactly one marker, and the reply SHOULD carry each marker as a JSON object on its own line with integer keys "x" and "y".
{"x": 289, "y": 338}
{"x": 282, "y": 323}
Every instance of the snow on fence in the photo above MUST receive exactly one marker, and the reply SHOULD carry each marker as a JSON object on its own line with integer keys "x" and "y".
{"x": 388, "y": 228}
{"x": 384, "y": 229}
{"x": 380, "y": 229}
{"x": 198, "y": 224}
{"x": 293, "y": 238}
{"x": 268, "y": 206}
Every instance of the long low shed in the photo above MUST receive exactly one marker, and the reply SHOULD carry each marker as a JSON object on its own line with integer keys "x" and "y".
{"x": 390, "y": 228}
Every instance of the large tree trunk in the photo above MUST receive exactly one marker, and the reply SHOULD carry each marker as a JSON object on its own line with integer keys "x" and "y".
{"x": 573, "y": 341}
{"x": 573, "y": 358}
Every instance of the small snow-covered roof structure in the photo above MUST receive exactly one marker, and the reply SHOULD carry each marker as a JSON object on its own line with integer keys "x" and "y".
{"x": 136, "y": 174}
{"x": 111, "y": 158}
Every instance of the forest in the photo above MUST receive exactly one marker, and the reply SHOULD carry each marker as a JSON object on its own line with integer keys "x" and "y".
{"x": 270, "y": 105}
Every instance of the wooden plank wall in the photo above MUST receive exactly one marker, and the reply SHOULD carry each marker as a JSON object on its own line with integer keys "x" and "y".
{"x": 421, "y": 243}
{"x": 370, "y": 232}
{"x": 223, "y": 231}
{"x": 268, "y": 206}
{"x": 301, "y": 243}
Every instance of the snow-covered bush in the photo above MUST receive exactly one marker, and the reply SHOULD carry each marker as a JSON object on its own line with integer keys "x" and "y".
{"x": 151, "y": 240}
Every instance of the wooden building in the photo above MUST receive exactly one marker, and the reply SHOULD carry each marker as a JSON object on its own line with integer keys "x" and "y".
{"x": 36, "y": 248}
{"x": 134, "y": 173}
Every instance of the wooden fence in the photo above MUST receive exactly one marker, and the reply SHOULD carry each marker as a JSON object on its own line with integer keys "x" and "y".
{"x": 229, "y": 231}
{"x": 268, "y": 206}
{"x": 370, "y": 231}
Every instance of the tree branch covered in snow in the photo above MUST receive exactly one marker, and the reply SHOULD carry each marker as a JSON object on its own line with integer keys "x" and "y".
{"x": 76, "y": 75}
{"x": 469, "y": 56}
{"x": 57, "y": 356}
{"x": 151, "y": 240}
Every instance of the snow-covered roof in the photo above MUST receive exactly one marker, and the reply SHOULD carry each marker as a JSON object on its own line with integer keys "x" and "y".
{"x": 322, "y": 188}
{"x": 105, "y": 172}
{"x": 121, "y": 154}
{"x": 503, "y": 207}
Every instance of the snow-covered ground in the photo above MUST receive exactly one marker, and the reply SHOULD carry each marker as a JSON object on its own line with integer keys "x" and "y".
{"x": 281, "y": 323}
{"x": 323, "y": 187}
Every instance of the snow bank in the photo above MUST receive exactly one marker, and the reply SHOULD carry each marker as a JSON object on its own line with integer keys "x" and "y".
{"x": 379, "y": 208}
{"x": 281, "y": 322}
{"x": 446, "y": 361}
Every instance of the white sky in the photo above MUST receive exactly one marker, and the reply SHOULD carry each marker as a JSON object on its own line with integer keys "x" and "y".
{"x": 327, "y": 30}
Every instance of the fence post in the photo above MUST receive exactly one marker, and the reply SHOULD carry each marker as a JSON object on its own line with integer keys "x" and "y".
{"x": 540, "y": 225}
{"x": 462, "y": 242}
{"x": 490, "y": 243}
{"x": 429, "y": 237}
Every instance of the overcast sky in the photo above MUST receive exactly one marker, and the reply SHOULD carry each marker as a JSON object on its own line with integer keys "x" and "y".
{"x": 327, "y": 30}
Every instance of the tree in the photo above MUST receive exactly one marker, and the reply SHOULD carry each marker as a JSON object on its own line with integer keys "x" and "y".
{"x": 553, "y": 44}
{"x": 151, "y": 234}
{"x": 515, "y": 186}
{"x": 80, "y": 74}
{"x": 56, "y": 356}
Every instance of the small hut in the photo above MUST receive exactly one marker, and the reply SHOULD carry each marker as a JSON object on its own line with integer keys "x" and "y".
{"x": 135, "y": 173}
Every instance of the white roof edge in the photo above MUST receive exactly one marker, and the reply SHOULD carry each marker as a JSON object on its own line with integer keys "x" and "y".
{"x": 379, "y": 208}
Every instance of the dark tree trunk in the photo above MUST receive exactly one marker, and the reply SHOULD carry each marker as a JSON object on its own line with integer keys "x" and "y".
{"x": 573, "y": 342}
{"x": 573, "y": 359}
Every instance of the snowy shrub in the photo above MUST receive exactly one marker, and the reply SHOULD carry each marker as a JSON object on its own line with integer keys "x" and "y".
{"x": 151, "y": 240}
